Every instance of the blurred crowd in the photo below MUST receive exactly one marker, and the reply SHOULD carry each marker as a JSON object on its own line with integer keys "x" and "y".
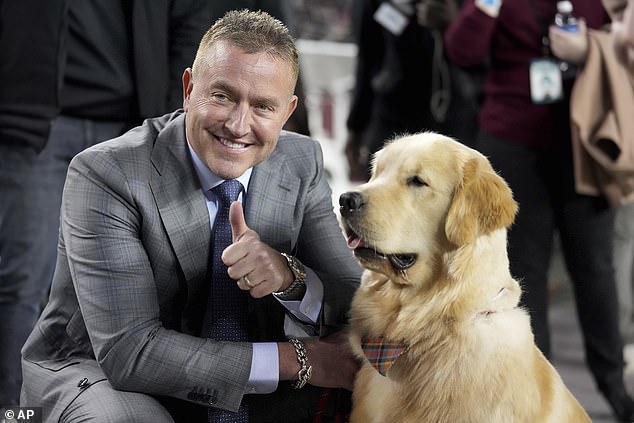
{"x": 549, "y": 105}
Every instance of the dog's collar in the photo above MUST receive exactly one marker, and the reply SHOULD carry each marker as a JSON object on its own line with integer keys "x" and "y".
{"x": 382, "y": 353}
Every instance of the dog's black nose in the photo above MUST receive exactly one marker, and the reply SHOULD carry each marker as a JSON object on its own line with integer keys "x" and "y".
{"x": 350, "y": 202}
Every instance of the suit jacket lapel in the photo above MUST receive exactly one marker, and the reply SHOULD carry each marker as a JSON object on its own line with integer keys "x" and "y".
{"x": 271, "y": 201}
{"x": 181, "y": 203}
{"x": 269, "y": 208}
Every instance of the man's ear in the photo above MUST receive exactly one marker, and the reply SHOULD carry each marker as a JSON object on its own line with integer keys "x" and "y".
{"x": 292, "y": 105}
{"x": 188, "y": 85}
{"x": 482, "y": 203}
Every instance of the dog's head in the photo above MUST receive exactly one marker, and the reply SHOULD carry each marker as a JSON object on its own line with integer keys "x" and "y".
{"x": 428, "y": 194}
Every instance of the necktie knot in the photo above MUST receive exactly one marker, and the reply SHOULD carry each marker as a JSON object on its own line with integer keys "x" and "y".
{"x": 228, "y": 191}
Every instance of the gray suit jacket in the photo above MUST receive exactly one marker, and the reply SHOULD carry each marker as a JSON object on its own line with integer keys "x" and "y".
{"x": 132, "y": 276}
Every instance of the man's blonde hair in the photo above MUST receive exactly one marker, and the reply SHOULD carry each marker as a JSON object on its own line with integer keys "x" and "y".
{"x": 252, "y": 32}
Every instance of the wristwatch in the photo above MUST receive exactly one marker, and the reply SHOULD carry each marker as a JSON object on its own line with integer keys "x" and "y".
{"x": 297, "y": 288}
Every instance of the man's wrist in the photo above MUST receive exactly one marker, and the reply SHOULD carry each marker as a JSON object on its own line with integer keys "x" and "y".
{"x": 305, "y": 370}
{"x": 297, "y": 288}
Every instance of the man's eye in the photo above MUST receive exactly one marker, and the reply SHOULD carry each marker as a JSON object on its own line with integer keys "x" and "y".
{"x": 264, "y": 107}
{"x": 220, "y": 96}
{"x": 416, "y": 181}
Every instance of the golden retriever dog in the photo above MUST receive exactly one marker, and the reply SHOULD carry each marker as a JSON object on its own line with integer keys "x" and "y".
{"x": 436, "y": 320}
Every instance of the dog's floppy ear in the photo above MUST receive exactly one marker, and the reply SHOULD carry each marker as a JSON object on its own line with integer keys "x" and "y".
{"x": 482, "y": 202}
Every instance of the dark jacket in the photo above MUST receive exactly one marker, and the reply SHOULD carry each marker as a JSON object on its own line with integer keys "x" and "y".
{"x": 165, "y": 35}
{"x": 30, "y": 68}
{"x": 393, "y": 73}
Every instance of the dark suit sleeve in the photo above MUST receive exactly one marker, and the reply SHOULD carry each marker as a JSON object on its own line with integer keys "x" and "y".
{"x": 189, "y": 20}
{"x": 166, "y": 34}
{"x": 31, "y": 41}
{"x": 368, "y": 38}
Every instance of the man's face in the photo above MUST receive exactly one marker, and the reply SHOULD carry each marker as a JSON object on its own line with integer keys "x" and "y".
{"x": 624, "y": 38}
{"x": 236, "y": 104}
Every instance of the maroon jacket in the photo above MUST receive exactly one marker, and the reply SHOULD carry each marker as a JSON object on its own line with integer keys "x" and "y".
{"x": 509, "y": 42}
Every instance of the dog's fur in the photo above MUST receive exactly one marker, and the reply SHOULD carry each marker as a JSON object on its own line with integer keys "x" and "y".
{"x": 471, "y": 355}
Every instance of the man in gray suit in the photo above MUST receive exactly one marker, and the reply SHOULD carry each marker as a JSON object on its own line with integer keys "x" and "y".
{"x": 120, "y": 339}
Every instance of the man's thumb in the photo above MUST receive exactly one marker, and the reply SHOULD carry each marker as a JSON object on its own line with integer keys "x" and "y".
{"x": 236, "y": 218}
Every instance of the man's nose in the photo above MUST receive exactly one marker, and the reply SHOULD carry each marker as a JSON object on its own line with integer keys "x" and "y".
{"x": 237, "y": 122}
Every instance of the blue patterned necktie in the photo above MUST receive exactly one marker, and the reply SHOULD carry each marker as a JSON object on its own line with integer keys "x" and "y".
{"x": 227, "y": 305}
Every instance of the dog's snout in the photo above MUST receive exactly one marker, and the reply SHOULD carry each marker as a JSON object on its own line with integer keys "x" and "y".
{"x": 350, "y": 202}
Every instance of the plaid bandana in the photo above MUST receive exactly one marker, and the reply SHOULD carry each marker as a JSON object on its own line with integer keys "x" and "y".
{"x": 382, "y": 354}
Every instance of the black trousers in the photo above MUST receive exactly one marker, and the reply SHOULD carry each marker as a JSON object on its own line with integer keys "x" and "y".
{"x": 543, "y": 185}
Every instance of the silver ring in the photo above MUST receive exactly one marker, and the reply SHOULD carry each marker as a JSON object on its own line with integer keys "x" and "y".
{"x": 247, "y": 281}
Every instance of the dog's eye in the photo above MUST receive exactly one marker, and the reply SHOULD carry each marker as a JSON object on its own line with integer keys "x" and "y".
{"x": 415, "y": 181}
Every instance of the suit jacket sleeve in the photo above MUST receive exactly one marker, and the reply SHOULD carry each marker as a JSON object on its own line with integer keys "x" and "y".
{"x": 321, "y": 246}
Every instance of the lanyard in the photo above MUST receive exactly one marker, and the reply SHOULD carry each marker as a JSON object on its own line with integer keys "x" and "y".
{"x": 543, "y": 24}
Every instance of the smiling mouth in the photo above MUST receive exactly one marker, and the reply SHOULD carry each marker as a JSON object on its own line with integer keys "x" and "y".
{"x": 231, "y": 144}
{"x": 363, "y": 251}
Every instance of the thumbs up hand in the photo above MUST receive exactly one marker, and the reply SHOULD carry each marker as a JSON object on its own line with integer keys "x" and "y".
{"x": 256, "y": 267}
{"x": 239, "y": 228}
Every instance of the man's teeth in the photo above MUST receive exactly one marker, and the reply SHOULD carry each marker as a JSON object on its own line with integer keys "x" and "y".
{"x": 230, "y": 144}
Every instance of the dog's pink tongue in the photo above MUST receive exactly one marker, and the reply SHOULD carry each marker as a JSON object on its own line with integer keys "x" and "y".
{"x": 353, "y": 242}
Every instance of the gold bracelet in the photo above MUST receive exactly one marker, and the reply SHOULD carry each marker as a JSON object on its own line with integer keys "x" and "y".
{"x": 306, "y": 371}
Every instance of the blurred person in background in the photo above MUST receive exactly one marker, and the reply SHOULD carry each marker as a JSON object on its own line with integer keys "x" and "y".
{"x": 74, "y": 73}
{"x": 525, "y": 131}
{"x": 602, "y": 134}
{"x": 624, "y": 38}
{"x": 29, "y": 70}
{"x": 403, "y": 83}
